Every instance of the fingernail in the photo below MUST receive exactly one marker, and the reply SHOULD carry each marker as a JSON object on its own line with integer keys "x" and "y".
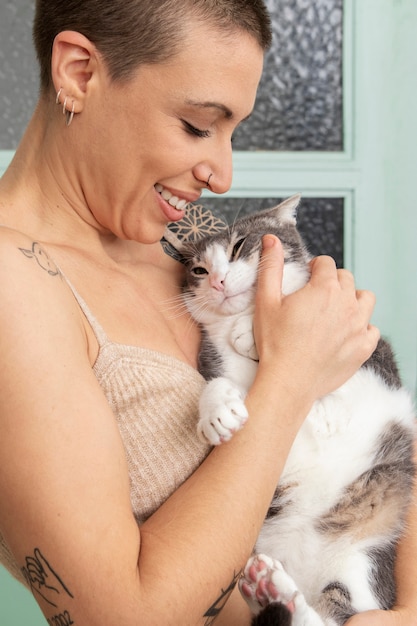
{"x": 268, "y": 241}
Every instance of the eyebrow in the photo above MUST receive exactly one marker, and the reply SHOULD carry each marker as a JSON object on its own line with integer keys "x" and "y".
{"x": 215, "y": 105}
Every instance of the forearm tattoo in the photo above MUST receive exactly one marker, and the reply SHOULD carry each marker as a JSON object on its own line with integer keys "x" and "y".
{"x": 218, "y": 606}
{"x": 45, "y": 583}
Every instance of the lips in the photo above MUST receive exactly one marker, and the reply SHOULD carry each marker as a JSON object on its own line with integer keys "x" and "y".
{"x": 177, "y": 203}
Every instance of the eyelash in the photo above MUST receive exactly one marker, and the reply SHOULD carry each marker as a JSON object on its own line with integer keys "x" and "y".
{"x": 197, "y": 132}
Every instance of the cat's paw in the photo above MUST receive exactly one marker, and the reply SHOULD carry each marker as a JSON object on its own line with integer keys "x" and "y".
{"x": 242, "y": 339}
{"x": 222, "y": 411}
{"x": 264, "y": 580}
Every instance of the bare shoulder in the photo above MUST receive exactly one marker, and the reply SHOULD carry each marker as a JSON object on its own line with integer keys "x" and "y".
{"x": 34, "y": 295}
{"x": 23, "y": 260}
{"x": 16, "y": 247}
{"x": 14, "y": 241}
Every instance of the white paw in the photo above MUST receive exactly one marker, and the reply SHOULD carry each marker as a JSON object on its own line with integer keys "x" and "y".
{"x": 265, "y": 581}
{"x": 222, "y": 411}
{"x": 242, "y": 338}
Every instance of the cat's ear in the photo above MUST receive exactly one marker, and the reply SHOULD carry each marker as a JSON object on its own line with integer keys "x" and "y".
{"x": 173, "y": 245}
{"x": 287, "y": 210}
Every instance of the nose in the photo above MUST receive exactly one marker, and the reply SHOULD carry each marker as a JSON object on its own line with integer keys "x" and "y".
{"x": 217, "y": 282}
{"x": 217, "y": 168}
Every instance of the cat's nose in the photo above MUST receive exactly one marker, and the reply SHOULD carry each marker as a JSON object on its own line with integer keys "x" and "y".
{"x": 217, "y": 282}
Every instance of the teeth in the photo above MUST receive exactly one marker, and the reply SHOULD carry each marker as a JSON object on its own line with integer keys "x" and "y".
{"x": 174, "y": 201}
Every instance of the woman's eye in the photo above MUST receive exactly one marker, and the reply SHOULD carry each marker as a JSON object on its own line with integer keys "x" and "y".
{"x": 199, "y": 271}
{"x": 197, "y": 132}
{"x": 237, "y": 247}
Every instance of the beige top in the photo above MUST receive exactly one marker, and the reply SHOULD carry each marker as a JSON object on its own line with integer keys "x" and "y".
{"x": 154, "y": 398}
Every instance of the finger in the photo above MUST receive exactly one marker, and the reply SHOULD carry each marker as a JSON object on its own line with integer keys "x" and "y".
{"x": 366, "y": 304}
{"x": 271, "y": 268}
{"x": 373, "y": 336}
{"x": 323, "y": 268}
{"x": 346, "y": 278}
{"x": 366, "y": 296}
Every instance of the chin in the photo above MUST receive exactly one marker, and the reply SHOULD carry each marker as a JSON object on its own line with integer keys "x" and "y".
{"x": 236, "y": 304}
{"x": 145, "y": 234}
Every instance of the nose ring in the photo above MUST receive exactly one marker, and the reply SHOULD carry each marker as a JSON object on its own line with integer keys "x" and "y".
{"x": 208, "y": 180}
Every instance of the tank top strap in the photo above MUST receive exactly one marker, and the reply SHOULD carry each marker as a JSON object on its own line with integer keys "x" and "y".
{"x": 98, "y": 331}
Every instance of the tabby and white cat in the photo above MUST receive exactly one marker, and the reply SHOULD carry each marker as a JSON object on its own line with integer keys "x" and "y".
{"x": 330, "y": 534}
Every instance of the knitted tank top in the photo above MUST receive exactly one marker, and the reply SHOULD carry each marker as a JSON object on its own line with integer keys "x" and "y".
{"x": 154, "y": 398}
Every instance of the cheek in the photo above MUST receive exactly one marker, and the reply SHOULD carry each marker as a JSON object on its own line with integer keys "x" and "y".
{"x": 242, "y": 276}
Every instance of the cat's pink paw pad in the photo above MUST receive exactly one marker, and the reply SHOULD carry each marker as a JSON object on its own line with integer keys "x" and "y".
{"x": 264, "y": 581}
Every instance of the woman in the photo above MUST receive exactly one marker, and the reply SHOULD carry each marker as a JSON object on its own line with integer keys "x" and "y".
{"x": 112, "y": 511}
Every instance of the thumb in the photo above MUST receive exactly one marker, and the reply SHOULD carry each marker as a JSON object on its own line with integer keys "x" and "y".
{"x": 270, "y": 270}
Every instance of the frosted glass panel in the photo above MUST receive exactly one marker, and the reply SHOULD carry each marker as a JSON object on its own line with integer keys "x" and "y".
{"x": 300, "y": 103}
{"x": 18, "y": 71}
{"x": 320, "y": 220}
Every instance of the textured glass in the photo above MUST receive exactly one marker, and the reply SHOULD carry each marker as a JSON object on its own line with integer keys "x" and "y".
{"x": 300, "y": 98}
{"x": 320, "y": 220}
{"x": 18, "y": 71}
{"x": 300, "y": 104}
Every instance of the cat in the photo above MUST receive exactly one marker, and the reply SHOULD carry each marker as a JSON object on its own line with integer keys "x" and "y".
{"x": 326, "y": 549}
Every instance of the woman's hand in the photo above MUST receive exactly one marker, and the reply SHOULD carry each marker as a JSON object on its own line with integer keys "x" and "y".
{"x": 317, "y": 337}
{"x": 397, "y": 617}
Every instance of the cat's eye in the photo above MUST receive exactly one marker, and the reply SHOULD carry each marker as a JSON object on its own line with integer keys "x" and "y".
{"x": 199, "y": 271}
{"x": 237, "y": 247}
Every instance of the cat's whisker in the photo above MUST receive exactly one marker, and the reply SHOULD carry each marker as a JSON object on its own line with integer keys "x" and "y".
{"x": 200, "y": 305}
{"x": 174, "y": 307}
{"x": 236, "y": 217}
{"x": 262, "y": 265}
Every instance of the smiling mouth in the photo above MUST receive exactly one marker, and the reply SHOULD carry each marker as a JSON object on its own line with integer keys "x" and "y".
{"x": 178, "y": 203}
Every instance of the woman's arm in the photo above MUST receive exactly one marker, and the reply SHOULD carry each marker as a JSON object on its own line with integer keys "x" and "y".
{"x": 64, "y": 487}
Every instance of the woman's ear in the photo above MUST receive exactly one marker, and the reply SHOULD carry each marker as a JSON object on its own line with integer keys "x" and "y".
{"x": 73, "y": 65}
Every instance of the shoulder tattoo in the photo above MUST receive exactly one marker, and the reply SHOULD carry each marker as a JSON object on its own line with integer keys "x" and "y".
{"x": 42, "y": 258}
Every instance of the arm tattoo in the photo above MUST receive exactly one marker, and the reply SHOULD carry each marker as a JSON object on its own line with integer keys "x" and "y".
{"x": 43, "y": 580}
{"x": 42, "y": 258}
{"x": 63, "y": 619}
{"x": 218, "y": 606}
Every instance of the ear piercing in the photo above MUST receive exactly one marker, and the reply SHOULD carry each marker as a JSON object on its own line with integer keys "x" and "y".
{"x": 69, "y": 115}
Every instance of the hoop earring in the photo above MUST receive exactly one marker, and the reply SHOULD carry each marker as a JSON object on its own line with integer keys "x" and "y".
{"x": 69, "y": 115}
{"x": 58, "y": 95}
